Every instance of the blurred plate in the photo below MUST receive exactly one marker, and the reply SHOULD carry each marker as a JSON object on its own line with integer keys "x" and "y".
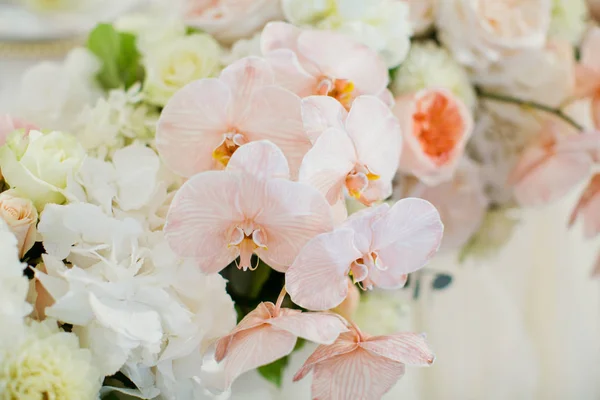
{"x": 18, "y": 24}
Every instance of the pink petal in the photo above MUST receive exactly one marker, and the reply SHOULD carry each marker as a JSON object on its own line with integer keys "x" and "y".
{"x": 346, "y": 343}
{"x": 405, "y": 239}
{"x": 588, "y": 208}
{"x": 290, "y": 73}
{"x": 317, "y": 278}
{"x": 279, "y": 35}
{"x": 375, "y": 132}
{"x": 587, "y": 81}
{"x": 407, "y": 348}
{"x": 589, "y": 49}
{"x": 327, "y": 164}
{"x": 200, "y": 218}
{"x": 192, "y": 125}
{"x": 274, "y": 114}
{"x": 254, "y": 348}
{"x": 9, "y": 124}
{"x": 358, "y": 375}
{"x": 320, "y": 113}
{"x": 361, "y": 223}
{"x": 292, "y": 214}
{"x": 596, "y": 110}
{"x": 262, "y": 159}
{"x": 596, "y": 270}
{"x": 245, "y": 77}
{"x": 320, "y": 328}
{"x": 254, "y": 318}
{"x": 340, "y": 57}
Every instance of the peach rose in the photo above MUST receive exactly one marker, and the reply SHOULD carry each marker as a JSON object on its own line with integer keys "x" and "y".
{"x": 21, "y": 217}
{"x": 436, "y": 126}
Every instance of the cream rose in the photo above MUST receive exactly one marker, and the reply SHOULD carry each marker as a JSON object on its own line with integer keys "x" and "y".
{"x": 21, "y": 217}
{"x": 482, "y": 33}
{"x": 178, "y": 63}
{"x": 37, "y": 165}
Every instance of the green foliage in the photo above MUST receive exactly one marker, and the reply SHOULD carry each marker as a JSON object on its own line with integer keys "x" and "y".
{"x": 117, "y": 51}
{"x": 274, "y": 372}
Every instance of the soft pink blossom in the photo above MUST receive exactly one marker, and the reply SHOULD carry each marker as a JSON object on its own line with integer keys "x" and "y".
{"x": 230, "y": 20}
{"x": 588, "y": 208}
{"x": 363, "y": 367}
{"x": 594, "y": 7}
{"x": 205, "y": 122}
{"x": 436, "y": 126}
{"x": 553, "y": 164}
{"x": 311, "y": 62}
{"x": 354, "y": 151}
{"x": 588, "y": 72}
{"x": 21, "y": 217}
{"x": 9, "y": 124}
{"x": 269, "y": 333}
{"x": 379, "y": 246}
{"x": 251, "y": 207}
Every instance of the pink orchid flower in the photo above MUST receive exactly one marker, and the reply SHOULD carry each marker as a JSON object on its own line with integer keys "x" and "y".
{"x": 555, "y": 163}
{"x": 588, "y": 208}
{"x": 310, "y": 62}
{"x": 205, "y": 122}
{"x": 269, "y": 333}
{"x": 9, "y": 124}
{"x": 363, "y": 367}
{"x": 251, "y": 207}
{"x": 588, "y": 72}
{"x": 378, "y": 246}
{"x": 436, "y": 126}
{"x": 229, "y": 20}
{"x": 356, "y": 150}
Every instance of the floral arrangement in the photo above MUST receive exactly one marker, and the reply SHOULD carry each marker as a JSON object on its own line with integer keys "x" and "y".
{"x": 195, "y": 194}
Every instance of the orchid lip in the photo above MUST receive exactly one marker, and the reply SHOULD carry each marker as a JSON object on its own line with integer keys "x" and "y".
{"x": 342, "y": 90}
{"x": 231, "y": 142}
{"x": 247, "y": 238}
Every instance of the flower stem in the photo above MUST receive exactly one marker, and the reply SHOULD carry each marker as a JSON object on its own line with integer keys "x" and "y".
{"x": 356, "y": 328}
{"x": 530, "y": 104}
{"x": 280, "y": 299}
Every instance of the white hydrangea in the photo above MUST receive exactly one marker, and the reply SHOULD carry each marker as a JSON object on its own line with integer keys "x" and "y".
{"x": 569, "y": 20}
{"x": 383, "y": 25}
{"x": 48, "y": 363}
{"x": 429, "y": 65}
{"x": 117, "y": 120}
{"x": 52, "y": 95}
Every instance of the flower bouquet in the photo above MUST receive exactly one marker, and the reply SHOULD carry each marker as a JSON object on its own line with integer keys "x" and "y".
{"x": 201, "y": 189}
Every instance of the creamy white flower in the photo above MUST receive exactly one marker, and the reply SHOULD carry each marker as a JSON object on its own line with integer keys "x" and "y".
{"x": 429, "y": 65}
{"x": 422, "y": 14}
{"x": 52, "y": 95}
{"x": 13, "y": 284}
{"x": 482, "y": 33}
{"x": 115, "y": 121}
{"x": 177, "y": 63}
{"x": 383, "y": 25}
{"x": 569, "y": 20}
{"x": 152, "y": 29}
{"x": 38, "y": 165}
{"x": 47, "y": 363}
{"x": 21, "y": 217}
{"x": 242, "y": 48}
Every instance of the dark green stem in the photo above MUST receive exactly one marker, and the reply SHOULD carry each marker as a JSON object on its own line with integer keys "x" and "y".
{"x": 530, "y": 104}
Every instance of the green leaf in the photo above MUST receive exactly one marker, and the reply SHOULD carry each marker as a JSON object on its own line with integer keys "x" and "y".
{"x": 274, "y": 372}
{"x": 117, "y": 51}
{"x": 442, "y": 281}
{"x": 259, "y": 277}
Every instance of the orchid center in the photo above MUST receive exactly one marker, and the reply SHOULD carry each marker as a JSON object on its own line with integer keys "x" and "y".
{"x": 247, "y": 237}
{"x": 360, "y": 268}
{"x": 357, "y": 182}
{"x": 438, "y": 125}
{"x": 340, "y": 89}
{"x": 230, "y": 143}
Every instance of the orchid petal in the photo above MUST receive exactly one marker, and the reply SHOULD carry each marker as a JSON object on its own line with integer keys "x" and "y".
{"x": 589, "y": 49}
{"x": 345, "y": 343}
{"x": 191, "y": 125}
{"x": 588, "y": 207}
{"x": 405, "y": 240}
{"x": 290, "y": 73}
{"x": 320, "y": 328}
{"x": 201, "y": 213}
{"x": 262, "y": 159}
{"x": 317, "y": 278}
{"x": 406, "y": 348}
{"x": 278, "y": 35}
{"x": 293, "y": 213}
{"x": 327, "y": 164}
{"x": 361, "y": 223}
{"x": 358, "y": 375}
{"x": 320, "y": 113}
{"x": 375, "y": 132}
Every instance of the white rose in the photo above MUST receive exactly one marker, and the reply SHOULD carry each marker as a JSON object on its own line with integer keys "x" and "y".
{"x": 383, "y": 25}
{"x": 422, "y": 14}
{"x": 482, "y": 33}
{"x": 178, "y": 63}
{"x": 568, "y": 20}
{"x": 38, "y": 165}
{"x": 21, "y": 217}
{"x": 151, "y": 30}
